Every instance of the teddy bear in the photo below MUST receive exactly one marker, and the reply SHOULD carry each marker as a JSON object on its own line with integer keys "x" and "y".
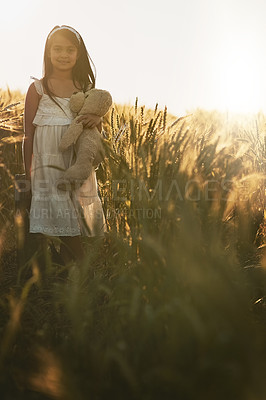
{"x": 88, "y": 142}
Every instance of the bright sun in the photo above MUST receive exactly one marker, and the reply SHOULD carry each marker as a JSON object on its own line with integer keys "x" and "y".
{"x": 240, "y": 71}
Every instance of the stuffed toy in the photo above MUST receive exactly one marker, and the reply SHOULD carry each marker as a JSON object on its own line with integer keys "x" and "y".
{"x": 88, "y": 143}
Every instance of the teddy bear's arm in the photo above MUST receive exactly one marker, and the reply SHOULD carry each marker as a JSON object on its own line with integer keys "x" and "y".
{"x": 71, "y": 135}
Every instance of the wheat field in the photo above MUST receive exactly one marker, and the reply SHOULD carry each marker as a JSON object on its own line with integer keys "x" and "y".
{"x": 172, "y": 304}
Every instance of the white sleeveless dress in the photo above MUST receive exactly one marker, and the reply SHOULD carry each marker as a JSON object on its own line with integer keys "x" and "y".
{"x": 55, "y": 212}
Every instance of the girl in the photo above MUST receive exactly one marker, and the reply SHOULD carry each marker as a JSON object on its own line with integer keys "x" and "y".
{"x": 47, "y": 115}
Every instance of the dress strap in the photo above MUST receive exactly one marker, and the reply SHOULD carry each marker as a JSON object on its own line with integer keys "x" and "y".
{"x": 38, "y": 86}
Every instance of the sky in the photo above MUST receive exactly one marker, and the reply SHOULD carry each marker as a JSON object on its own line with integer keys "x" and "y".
{"x": 183, "y": 54}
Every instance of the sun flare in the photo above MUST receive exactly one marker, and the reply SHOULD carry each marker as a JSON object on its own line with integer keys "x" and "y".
{"x": 240, "y": 72}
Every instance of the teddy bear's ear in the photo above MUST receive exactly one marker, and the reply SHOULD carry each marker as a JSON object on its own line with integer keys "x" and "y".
{"x": 77, "y": 101}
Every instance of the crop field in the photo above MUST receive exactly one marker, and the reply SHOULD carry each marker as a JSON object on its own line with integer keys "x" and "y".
{"x": 172, "y": 304}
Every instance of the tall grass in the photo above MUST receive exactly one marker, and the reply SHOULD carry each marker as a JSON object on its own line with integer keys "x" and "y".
{"x": 11, "y": 112}
{"x": 171, "y": 305}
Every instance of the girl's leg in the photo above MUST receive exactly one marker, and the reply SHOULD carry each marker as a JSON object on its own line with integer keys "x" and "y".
{"x": 71, "y": 248}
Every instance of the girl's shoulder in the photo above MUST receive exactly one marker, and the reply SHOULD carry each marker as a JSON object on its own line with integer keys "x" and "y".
{"x": 38, "y": 85}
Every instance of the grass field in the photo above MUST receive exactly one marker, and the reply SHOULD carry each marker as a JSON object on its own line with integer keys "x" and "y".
{"x": 172, "y": 304}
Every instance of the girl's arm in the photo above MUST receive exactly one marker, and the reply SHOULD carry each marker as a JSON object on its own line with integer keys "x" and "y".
{"x": 31, "y": 105}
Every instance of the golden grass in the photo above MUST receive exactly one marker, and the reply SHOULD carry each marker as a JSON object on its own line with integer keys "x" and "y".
{"x": 172, "y": 304}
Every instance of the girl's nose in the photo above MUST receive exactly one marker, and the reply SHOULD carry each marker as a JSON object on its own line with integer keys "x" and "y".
{"x": 63, "y": 53}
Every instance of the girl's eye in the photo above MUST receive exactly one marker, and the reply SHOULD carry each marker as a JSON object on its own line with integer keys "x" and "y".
{"x": 59, "y": 48}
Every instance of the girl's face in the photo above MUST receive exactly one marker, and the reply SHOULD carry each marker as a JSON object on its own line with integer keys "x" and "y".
{"x": 63, "y": 53}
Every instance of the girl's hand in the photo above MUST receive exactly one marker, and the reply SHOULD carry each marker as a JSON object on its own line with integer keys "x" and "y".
{"x": 89, "y": 120}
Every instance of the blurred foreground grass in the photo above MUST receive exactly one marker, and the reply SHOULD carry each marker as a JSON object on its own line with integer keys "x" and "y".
{"x": 172, "y": 304}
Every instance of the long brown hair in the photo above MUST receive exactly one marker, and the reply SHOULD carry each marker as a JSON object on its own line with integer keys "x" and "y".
{"x": 81, "y": 72}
